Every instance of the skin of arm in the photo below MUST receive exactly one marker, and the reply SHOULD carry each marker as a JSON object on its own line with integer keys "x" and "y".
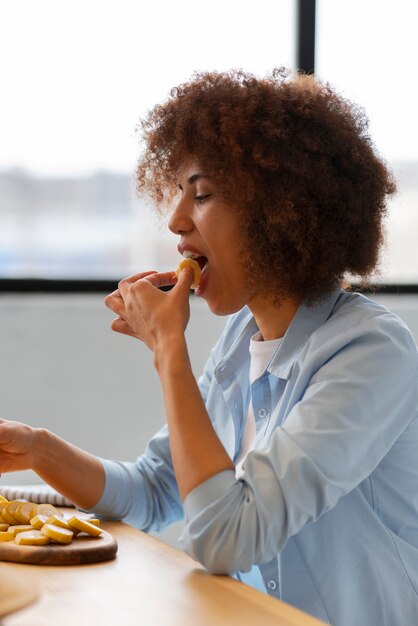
{"x": 196, "y": 449}
{"x": 159, "y": 319}
{"x": 59, "y": 463}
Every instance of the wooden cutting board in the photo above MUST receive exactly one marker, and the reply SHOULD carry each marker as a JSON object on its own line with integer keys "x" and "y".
{"x": 82, "y": 549}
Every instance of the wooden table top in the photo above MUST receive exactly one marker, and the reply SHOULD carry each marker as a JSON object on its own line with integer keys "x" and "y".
{"x": 148, "y": 584}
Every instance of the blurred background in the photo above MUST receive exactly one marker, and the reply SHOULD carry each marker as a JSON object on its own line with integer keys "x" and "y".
{"x": 77, "y": 76}
{"x": 75, "y": 79}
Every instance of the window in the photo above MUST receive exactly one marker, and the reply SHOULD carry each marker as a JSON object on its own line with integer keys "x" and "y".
{"x": 77, "y": 78}
{"x": 367, "y": 50}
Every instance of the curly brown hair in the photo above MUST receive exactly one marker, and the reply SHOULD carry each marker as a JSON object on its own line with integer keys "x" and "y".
{"x": 294, "y": 158}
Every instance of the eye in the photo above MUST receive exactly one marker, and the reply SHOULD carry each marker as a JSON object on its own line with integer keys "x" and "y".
{"x": 202, "y": 198}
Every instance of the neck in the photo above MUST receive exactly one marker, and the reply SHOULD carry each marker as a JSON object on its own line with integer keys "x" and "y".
{"x": 273, "y": 320}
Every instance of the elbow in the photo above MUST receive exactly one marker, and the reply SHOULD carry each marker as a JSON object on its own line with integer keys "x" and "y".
{"x": 227, "y": 533}
{"x": 219, "y": 553}
{"x": 217, "y": 562}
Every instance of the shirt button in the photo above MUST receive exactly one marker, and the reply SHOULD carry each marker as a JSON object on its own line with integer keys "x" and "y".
{"x": 272, "y": 584}
{"x": 262, "y": 413}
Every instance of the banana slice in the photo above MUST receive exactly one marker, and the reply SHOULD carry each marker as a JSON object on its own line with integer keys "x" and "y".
{"x": 32, "y": 538}
{"x": 20, "y": 528}
{"x": 84, "y": 526}
{"x": 58, "y": 520}
{"x": 6, "y": 536}
{"x": 25, "y": 511}
{"x": 4, "y": 527}
{"x": 38, "y": 521}
{"x": 56, "y": 533}
{"x": 47, "y": 510}
{"x": 8, "y": 510}
{"x": 3, "y": 499}
{"x": 195, "y": 267}
{"x": 94, "y": 521}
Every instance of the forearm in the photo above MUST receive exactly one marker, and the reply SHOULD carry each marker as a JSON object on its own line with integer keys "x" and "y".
{"x": 196, "y": 449}
{"x": 78, "y": 475}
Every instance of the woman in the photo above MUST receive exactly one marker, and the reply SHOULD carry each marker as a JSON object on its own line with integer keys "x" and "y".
{"x": 295, "y": 458}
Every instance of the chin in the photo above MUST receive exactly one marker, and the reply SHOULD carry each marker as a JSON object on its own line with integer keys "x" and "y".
{"x": 221, "y": 307}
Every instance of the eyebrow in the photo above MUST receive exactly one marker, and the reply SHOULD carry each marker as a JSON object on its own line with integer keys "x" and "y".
{"x": 194, "y": 177}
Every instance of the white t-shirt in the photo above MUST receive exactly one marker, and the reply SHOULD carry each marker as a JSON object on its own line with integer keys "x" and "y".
{"x": 261, "y": 353}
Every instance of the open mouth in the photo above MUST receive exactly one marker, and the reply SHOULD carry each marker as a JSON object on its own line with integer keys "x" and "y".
{"x": 201, "y": 260}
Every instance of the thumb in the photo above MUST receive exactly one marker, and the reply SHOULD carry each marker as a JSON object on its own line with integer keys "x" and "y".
{"x": 185, "y": 280}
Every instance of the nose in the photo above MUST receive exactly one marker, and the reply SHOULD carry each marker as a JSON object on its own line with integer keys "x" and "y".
{"x": 180, "y": 220}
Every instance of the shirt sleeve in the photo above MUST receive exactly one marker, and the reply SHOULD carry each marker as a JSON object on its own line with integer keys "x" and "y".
{"x": 353, "y": 409}
{"x": 143, "y": 493}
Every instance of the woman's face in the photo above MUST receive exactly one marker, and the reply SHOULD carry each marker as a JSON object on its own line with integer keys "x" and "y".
{"x": 209, "y": 230}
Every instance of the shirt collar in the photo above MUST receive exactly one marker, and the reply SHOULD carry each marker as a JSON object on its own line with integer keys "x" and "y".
{"x": 306, "y": 320}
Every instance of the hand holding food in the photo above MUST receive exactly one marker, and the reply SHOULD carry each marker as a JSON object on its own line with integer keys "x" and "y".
{"x": 146, "y": 312}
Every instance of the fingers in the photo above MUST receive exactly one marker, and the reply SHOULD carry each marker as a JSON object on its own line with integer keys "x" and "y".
{"x": 154, "y": 278}
{"x": 126, "y": 283}
{"x": 185, "y": 280}
{"x": 182, "y": 283}
{"x": 138, "y": 296}
{"x": 114, "y": 302}
{"x": 161, "y": 280}
{"x": 120, "y": 326}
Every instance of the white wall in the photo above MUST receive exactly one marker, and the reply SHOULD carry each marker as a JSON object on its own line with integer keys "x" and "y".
{"x": 62, "y": 368}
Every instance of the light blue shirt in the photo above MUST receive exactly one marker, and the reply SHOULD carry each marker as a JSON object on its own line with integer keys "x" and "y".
{"x": 326, "y": 515}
